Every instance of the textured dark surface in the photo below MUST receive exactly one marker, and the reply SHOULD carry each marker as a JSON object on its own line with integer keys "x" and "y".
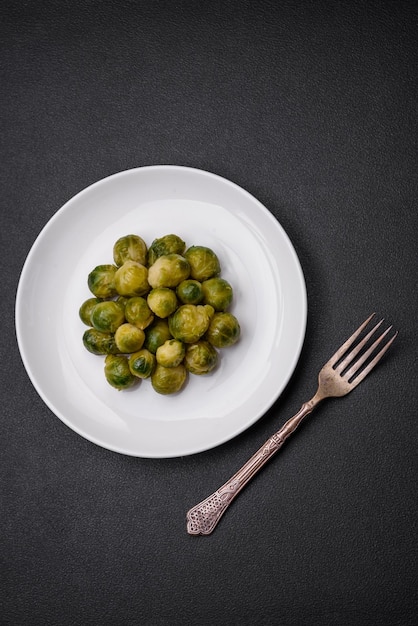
{"x": 312, "y": 107}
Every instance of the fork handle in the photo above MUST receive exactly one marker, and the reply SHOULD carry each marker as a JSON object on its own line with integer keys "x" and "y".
{"x": 202, "y": 518}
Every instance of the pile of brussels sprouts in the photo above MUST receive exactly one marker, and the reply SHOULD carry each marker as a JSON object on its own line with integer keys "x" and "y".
{"x": 159, "y": 312}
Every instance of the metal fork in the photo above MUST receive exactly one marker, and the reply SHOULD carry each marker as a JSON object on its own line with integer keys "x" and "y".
{"x": 340, "y": 375}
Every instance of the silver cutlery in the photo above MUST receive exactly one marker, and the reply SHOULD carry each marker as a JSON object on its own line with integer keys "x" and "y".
{"x": 351, "y": 363}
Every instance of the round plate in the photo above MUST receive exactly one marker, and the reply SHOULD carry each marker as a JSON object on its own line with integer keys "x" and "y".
{"x": 256, "y": 257}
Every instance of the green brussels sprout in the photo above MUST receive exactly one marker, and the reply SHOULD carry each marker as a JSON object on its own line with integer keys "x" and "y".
{"x": 169, "y": 244}
{"x": 190, "y": 291}
{"x": 129, "y": 338}
{"x": 168, "y": 271}
{"x": 224, "y": 330}
{"x": 101, "y": 281}
{"x": 107, "y": 316}
{"x": 130, "y": 248}
{"x": 200, "y": 358}
{"x": 218, "y": 293}
{"x": 190, "y": 322}
{"x": 204, "y": 263}
{"x": 166, "y": 380}
{"x": 86, "y": 309}
{"x": 142, "y": 363}
{"x": 97, "y": 342}
{"x": 131, "y": 279}
{"x": 156, "y": 335}
{"x": 171, "y": 353}
{"x": 117, "y": 372}
{"x": 162, "y": 301}
{"x": 138, "y": 313}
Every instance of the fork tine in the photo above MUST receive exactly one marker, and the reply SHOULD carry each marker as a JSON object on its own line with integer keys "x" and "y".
{"x": 343, "y": 349}
{"x": 353, "y": 353}
{"x": 375, "y": 359}
{"x": 357, "y": 364}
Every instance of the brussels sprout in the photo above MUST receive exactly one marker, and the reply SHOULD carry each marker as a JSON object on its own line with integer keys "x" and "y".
{"x": 218, "y": 293}
{"x": 190, "y": 322}
{"x": 167, "y": 380}
{"x": 117, "y": 372}
{"x": 171, "y": 353}
{"x": 156, "y": 335}
{"x": 201, "y": 358}
{"x": 101, "y": 281}
{"x": 224, "y": 330}
{"x": 142, "y": 363}
{"x": 138, "y": 313}
{"x": 169, "y": 244}
{"x": 190, "y": 291}
{"x": 99, "y": 343}
{"x": 107, "y": 316}
{"x": 86, "y": 309}
{"x": 130, "y": 248}
{"x": 131, "y": 279}
{"x": 162, "y": 301}
{"x": 129, "y": 338}
{"x": 168, "y": 271}
{"x": 203, "y": 262}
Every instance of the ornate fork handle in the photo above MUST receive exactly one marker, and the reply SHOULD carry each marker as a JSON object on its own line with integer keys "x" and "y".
{"x": 202, "y": 518}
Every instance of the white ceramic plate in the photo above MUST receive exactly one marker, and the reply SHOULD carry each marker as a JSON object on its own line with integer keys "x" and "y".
{"x": 257, "y": 258}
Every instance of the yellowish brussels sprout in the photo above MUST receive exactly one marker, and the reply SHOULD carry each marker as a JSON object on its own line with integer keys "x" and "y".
{"x": 201, "y": 358}
{"x": 86, "y": 309}
{"x": 117, "y": 372}
{"x": 169, "y": 244}
{"x": 130, "y": 248}
{"x": 129, "y": 338}
{"x": 101, "y": 281}
{"x": 107, "y": 316}
{"x": 100, "y": 343}
{"x": 171, "y": 353}
{"x": 162, "y": 301}
{"x": 204, "y": 263}
{"x": 142, "y": 363}
{"x": 138, "y": 313}
{"x": 190, "y": 291}
{"x": 224, "y": 330}
{"x": 168, "y": 271}
{"x": 156, "y": 335}
{"x": 190, "y": 322}
{"x": 166, "y": 380}
{"x": 217, "y": 292}
{"x": 131, "y": 279}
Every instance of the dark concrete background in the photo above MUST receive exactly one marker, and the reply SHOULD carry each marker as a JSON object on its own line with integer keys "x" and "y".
{"x": 312, "y": 107}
